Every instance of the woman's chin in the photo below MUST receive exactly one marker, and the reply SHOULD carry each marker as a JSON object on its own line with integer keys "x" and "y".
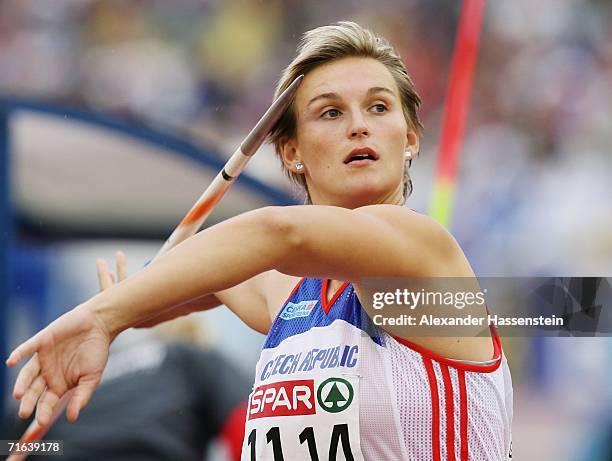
{"x": 365, "y": 194}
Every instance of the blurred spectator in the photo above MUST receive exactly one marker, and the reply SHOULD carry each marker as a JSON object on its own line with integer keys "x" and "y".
{"x": 164, "y": 398}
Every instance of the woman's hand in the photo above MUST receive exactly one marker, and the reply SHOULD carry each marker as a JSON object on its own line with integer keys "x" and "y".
{"x": 70, "y": 353}
{"x": 106, "y": 278}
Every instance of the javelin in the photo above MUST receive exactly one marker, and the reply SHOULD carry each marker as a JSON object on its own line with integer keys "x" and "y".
{"x": 193, "y": 220}
{"x": 457, "y": 100}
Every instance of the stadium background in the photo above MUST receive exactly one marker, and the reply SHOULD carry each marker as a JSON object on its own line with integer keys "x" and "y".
{"x": 114, "y": 114}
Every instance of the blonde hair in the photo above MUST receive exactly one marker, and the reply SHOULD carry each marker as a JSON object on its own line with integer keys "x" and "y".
{"x": 336, "y": 41}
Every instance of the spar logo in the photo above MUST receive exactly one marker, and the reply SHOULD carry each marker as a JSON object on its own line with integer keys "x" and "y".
{"x": 335, "y": 395}
{"x": 292, "y": 398}
{"x": 285, "y": 398}
{"x": 295, "y": 310}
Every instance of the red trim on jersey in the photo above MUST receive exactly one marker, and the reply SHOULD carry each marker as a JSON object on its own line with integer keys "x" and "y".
{"x": 435, "y": 409}
{"x": 450, "y": 413}
{"x": 327, "y": 306}
{"x": 463, "y": 415}
{"x": 497, "y": 355}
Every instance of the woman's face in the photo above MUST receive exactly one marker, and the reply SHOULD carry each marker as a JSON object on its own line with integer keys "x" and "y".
{"x": 351, "y": 134}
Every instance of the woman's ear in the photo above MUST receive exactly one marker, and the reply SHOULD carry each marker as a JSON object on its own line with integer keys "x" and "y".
{"x": 412, "y": 143}
{"x": 291, "y": 156}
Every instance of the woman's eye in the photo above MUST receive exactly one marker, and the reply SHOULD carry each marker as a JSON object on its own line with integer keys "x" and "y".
{"x": 331, "y": 113}
{"x": 379, "y": 108}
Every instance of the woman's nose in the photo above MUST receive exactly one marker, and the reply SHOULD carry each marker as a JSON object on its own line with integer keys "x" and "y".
{"x": 358, "y": 127}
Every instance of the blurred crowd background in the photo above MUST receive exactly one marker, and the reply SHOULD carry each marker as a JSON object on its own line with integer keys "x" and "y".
{"x": 536, "y": 160}
{"x": 534, "y": 188}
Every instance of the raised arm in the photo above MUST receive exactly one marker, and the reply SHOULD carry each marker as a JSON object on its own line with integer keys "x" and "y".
{"x": 336, "y": 243}
{"x": 321, "y": 241}
{"x": 381, "y": 240}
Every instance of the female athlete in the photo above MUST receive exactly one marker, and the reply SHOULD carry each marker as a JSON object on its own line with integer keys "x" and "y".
{"x": 329, "y": 384}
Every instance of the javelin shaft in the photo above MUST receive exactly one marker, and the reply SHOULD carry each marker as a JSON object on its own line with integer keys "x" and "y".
{"x": 196, "y": 216}
{"x": 200, "y": 211}
{"x": 194, "y": 219}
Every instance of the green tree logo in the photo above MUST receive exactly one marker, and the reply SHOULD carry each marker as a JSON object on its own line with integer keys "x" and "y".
{"x": 335, "y": 394}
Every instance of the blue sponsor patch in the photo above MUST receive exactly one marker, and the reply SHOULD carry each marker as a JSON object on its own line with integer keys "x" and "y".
{"x": 301, "y": 309}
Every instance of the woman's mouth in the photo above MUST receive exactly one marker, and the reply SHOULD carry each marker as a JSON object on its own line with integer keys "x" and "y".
{"x": 361, "y": 156}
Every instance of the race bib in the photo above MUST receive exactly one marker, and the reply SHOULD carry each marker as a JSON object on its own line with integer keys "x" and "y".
{"x": 306, "y": 419}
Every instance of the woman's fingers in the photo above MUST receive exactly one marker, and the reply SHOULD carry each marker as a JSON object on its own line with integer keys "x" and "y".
{"x": 23, "y": 350}
{"x": 80, "y": 398}
{"x": 106, "y": 278}
{"x": 28, "y": 402}
{"x": 45, "y": 407}
{"x": 104, "y": 275}
{"x": 121, "y": 265}
{"x": 26, "y": 376}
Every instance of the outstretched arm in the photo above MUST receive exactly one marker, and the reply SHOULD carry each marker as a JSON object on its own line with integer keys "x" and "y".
{"x": 300, "y": 240}
{"x": 323, "y": 241}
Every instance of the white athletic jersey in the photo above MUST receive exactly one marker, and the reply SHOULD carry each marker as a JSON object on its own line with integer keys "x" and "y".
{"x": 330, "y": 385}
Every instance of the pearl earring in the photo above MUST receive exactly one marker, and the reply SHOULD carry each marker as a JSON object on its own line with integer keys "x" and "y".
{"x": 299, "y": 166}
{"x": 408, "y": 154}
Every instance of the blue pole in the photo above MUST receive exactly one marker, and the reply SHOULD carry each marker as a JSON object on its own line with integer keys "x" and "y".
{"x": 5, "y": 236}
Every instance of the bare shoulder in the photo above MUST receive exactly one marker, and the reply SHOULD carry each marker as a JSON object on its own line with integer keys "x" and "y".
{"x": 418, "y": 235}
{"x": 439, "y": 256}
{"x": 407, "y": 219}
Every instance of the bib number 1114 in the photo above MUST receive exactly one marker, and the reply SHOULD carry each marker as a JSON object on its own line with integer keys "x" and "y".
{"x": 339, "y": 437}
